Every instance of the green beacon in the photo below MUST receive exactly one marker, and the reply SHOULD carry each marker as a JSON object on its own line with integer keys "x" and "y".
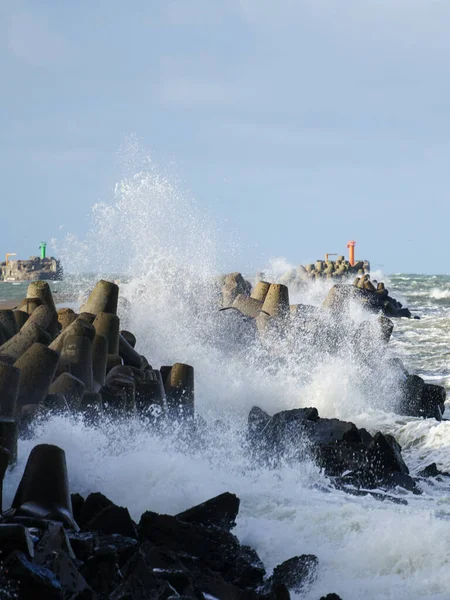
{"x": 43, "y": 249}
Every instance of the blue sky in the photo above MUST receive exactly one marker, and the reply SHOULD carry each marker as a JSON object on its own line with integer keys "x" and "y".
{"x": 296, "y": 124}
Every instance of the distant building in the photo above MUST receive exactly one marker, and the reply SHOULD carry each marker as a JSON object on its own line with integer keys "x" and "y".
{"x": 31, "y": 270}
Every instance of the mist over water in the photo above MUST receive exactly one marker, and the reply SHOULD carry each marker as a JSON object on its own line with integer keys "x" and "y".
{"x": 164, "y": 251}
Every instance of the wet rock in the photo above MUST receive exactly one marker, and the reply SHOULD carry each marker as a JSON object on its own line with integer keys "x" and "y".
{"x": 124, "y": 547}
{"x": 331, "y": 597}
{"x": 220, "y": 511}
{"x": 296, "y": 573}
{"x": 101, "y": 571}
{"x": 385, "y": 455}
{"x": 54, "y": 539}
{"x": 14, "y": 536}
{"x": 113, "y": 519}
{"x": 92, "y": 506}
{"x": 218, "y": 549}
{"x": 77, "y": 504}
{"x": 82, "y": 544}
{"x": 141, "y": 584}
{"x": 249, "y": 571}
{"x": 71, "y": 580}
{"x": 430, "y": 471}
{"x": 34, "y": 581}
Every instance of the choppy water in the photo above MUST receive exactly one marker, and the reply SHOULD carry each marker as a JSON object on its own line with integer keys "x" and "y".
{"x": 366, "y": 548}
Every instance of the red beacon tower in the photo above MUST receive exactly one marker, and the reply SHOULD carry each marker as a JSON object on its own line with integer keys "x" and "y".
{"x": 351, "y": 252}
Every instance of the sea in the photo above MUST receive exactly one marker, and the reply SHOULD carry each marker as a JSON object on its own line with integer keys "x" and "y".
{"x": 366, "y": 548}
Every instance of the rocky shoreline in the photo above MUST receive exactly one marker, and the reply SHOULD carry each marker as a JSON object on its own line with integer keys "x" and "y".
{"x": 62, "y": 362}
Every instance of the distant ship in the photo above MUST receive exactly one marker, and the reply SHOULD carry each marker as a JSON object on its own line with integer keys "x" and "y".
{"x": 37, "y": 267}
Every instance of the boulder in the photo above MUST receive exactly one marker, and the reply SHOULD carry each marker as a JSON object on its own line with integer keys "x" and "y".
{"x": 220, "y": 511}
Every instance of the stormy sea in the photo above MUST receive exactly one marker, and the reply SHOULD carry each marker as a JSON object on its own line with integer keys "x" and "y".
{"x": 366, "y": 547}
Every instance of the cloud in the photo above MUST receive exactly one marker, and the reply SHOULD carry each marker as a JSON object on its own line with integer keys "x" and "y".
{"x": 31, "y": 38}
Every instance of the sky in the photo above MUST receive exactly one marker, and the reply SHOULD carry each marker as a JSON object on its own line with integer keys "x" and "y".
{"x": 297, "y": 125}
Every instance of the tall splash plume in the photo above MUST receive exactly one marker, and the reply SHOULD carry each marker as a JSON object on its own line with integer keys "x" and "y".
{"x": 163, "y": 250}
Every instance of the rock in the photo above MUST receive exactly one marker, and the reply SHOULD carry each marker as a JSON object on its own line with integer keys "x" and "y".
{"x": 113, "y": 519}
{"x": 124, "y": 547}
{"x": 296, "y": 573}
{"x": 129, "y": 337}
{"x": 82, "y": 544}
{"x": 218, "y": 549}
{"x": 220, "y": 511}
{"x": 72, "y": 582}
{"x": 249, "y": 571}
{"x": 385, "y": 455}
{"x": 34, "y": 581}
{"x": 141, "y": 584}
{"x": 430, "y": 471}
{"x": 101, "y": 571}
{"x": 331, "y": 597}
{"x": 53, "y": 540}
{"x": 14, "y": 536}
{"x": 92, "y": 506}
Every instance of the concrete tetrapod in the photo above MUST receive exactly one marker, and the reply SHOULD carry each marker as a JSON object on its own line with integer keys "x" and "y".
{"x": 37, "y": 369}
{"x": 71, "y": 387}
{"x": 78, "y": 327}
{"x": 77, "y": 353}
{"x": 130, "y": 337}
{"x": 22, "y": 341}
{"x": 108, "y": 325}
{"x": 4, "y": 462}
{"x": 8, "y": 323}
{"x": 150, "y": 392}
{"x": 8, "y": 437}
{"x": 250, "y": 307}
{"x": 276, "y": 303}
{"x": 179, "y": 388}
{"x": 99, "y": 358}
{"x": 20, "y": 318}
{"x": 40, "y": 289}
{"x": 9, "y": 389}
{"x": 129, "y": 354}
{"x": 43, "y": 491}
{"x": 28, "y": 305}
{"x": 103, "y": 298}
{"x": 260, "y": 291}
{"x": 66, "y": 316}
{"x": 45, "y": 318}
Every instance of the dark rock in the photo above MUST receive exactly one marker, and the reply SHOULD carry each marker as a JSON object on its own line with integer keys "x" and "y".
{"x": 365, "y": 436}
{"x": 249, "y": 571}
{"x": 34, "y": 581}
{"x": 14, "y": 536}
{"x": 77, "y": 504}
{"x": 53, "y": 540}
{"x": 83, "y": 544}
{"x": 331, "y": 597}
{"x": 257, "y": 420}
{"x": 218, "y": 549}
{"x": 430, "y": 471}
{"x": 220, "y": 511}
{"x": 296, "y": 573}
{"x": 71, "y": 580}
{"x": 385, "y": 455}
{"x": 93, "y": 505}
{"x": 101, "y": 571}
{"x": 114, "y": 519}
{"x": 124, "y": 547}
{"x": 141, "y": 584}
